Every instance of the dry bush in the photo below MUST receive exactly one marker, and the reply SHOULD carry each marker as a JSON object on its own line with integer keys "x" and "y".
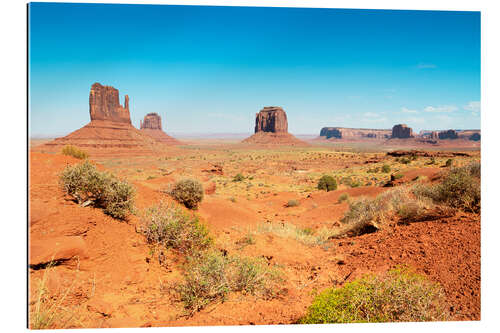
{"x": 460, "y": 188}
{"x": 211, "y": 275}
{"x": 304, "y": 235}
{"x": 292, "y": 203}
{"x": 171, "y": 227}
{"x": 343, "y": 197}
{"x": 88, "y": 186}
{"x": 75, "y": 152}
{"x": 188, "y": 192}
{"x": 399, "y": 296}
{"x": 367, "y": 215}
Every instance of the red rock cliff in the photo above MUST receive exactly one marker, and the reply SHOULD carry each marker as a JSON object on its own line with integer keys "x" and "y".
{"x": 271, "y": 119}
{"x": 105, "y": 104}
{"x": 151, "y": 121}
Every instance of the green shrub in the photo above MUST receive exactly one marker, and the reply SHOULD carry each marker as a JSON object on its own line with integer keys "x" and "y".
{"x": 399, "y": 296}
{"x": 75, "y": 152}
{"x": 88, "y": 186}
{"x": 460, "y": 188}
{"x": 398, "y": 176}
{"x": 211, "y": 275}
{"x": 404, "y": 161}
{"x": 431, "y": 161}
{"x": 188, "y": 192}
{"x": 449, "y": 163}
{"x": 343, "y": 197}
{"x": 355, "y": 184}
{"x": 293, "y": 203}
{"x": 386, "y": 168}
{"x": 238, "y": 178}
{"x": 327, "y": 183}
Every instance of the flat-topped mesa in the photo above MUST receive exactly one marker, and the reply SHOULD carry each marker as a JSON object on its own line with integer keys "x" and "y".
{"x": 152, "y": 121}
{"x": 354, "y": 133}
{"x": 449, "y": 134}
{"x": 271, "y": 119}
{"x": 402, "y": 131}
{"x": 105, "y": 104}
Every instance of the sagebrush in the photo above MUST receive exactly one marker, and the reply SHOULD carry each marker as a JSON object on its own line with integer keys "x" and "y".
{"x": 188, "y": 192}
{"x": 170, "y": 227}
{"x": 88, "y": 186}
{"x": 75, "y": 152}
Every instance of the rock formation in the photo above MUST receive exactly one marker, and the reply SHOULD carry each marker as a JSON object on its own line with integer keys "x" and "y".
{"x": 354, "y": 133}
{"x": 401, "y": 131}
{"x": 104, "y": 104}
{"x": 475, "y": 137}
{"x": 449, "y": 134}
{"x": 271, "y": 119}
{"x": 271, "y": 127}
{"x": 110, "y": 129}
{"x": 151, "y": 125}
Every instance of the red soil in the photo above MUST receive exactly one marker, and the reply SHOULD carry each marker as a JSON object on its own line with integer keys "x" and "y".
{"x": 122, "y": 284}
{"x": 267, "y": 138}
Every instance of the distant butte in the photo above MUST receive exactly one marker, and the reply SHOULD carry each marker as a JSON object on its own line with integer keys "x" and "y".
{"x": 151, "y": 125}
{"x": 271, "y": 127}
{"x": 110, "y": 128}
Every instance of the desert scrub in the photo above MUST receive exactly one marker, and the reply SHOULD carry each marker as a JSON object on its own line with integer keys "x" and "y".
{"x": 209, "y": 276}
{"x": 170, "y": 227}
{"x": 400, "y": 295}
{"x": 386, "y": 168}
{"x": 304, "y": 235}
{"x": 75, "y": 152}
{"x": 292, "y": 203}
{"x": 88, "y": 186}
{"x": 460, "y": 188}
{"x": 367, "y": 215}
{"x": 449, "y": 163}
{"x": 238, "y": 178}
{"x": 343, "y": 197}
{"x": 327, "y": 183}
{"x": 188, "y": 192}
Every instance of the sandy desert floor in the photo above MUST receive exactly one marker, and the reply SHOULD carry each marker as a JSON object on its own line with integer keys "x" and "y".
{"x": 118, "y": 281}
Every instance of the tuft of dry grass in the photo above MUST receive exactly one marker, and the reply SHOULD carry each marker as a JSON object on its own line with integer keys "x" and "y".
{"x": 75, "y": 152}
{"x": 304, "y": 235}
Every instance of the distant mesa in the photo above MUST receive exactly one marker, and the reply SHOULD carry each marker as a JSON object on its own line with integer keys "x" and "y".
{"x": 354, "y": 133}
{"x": 401, "y": 131}
{"x": 110, "y": 128}
{"x": 151, "y": 125}
{"x": 271, "y": 127}
{"x": 449, "y": 134}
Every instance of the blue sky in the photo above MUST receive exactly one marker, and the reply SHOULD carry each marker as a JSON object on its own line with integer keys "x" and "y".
{"x": 210, "y": 69}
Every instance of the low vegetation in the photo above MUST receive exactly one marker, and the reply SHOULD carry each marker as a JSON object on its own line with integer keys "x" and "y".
{"x": 88, "y": 186}
{"x": 386, "y": 168}
{"x": 460, "y": 188}
{"x": 292, "y": 203}
{"x": 211, "y": 275}
{"x": 304, "y": 235}
{"x": 343, "y": 197}
{"x": 70, "y": 150}
{"x": 400, "y": 295}
{"x": 188, "y": 192}
{"x": 327, "y": 183}
{"x": 238, "y": 178}
{"x": 170, "y": 227}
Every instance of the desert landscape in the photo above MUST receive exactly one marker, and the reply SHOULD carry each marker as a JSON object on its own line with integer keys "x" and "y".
{"x": 134, "y": 228}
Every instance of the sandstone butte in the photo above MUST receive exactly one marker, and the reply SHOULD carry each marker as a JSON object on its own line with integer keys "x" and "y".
{"x": 402, "y": 131}
{"x": 151, "y": 125}
{"x": 271, "y": 127}
{"x": 109, "y": 130}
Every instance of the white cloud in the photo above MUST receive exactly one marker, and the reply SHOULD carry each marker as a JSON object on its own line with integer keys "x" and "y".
{"x": 426, "y": 65}
{"x": 405, "y": 110}
{"x": 442, "y": 108}
{"x": 474, "y": 107}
